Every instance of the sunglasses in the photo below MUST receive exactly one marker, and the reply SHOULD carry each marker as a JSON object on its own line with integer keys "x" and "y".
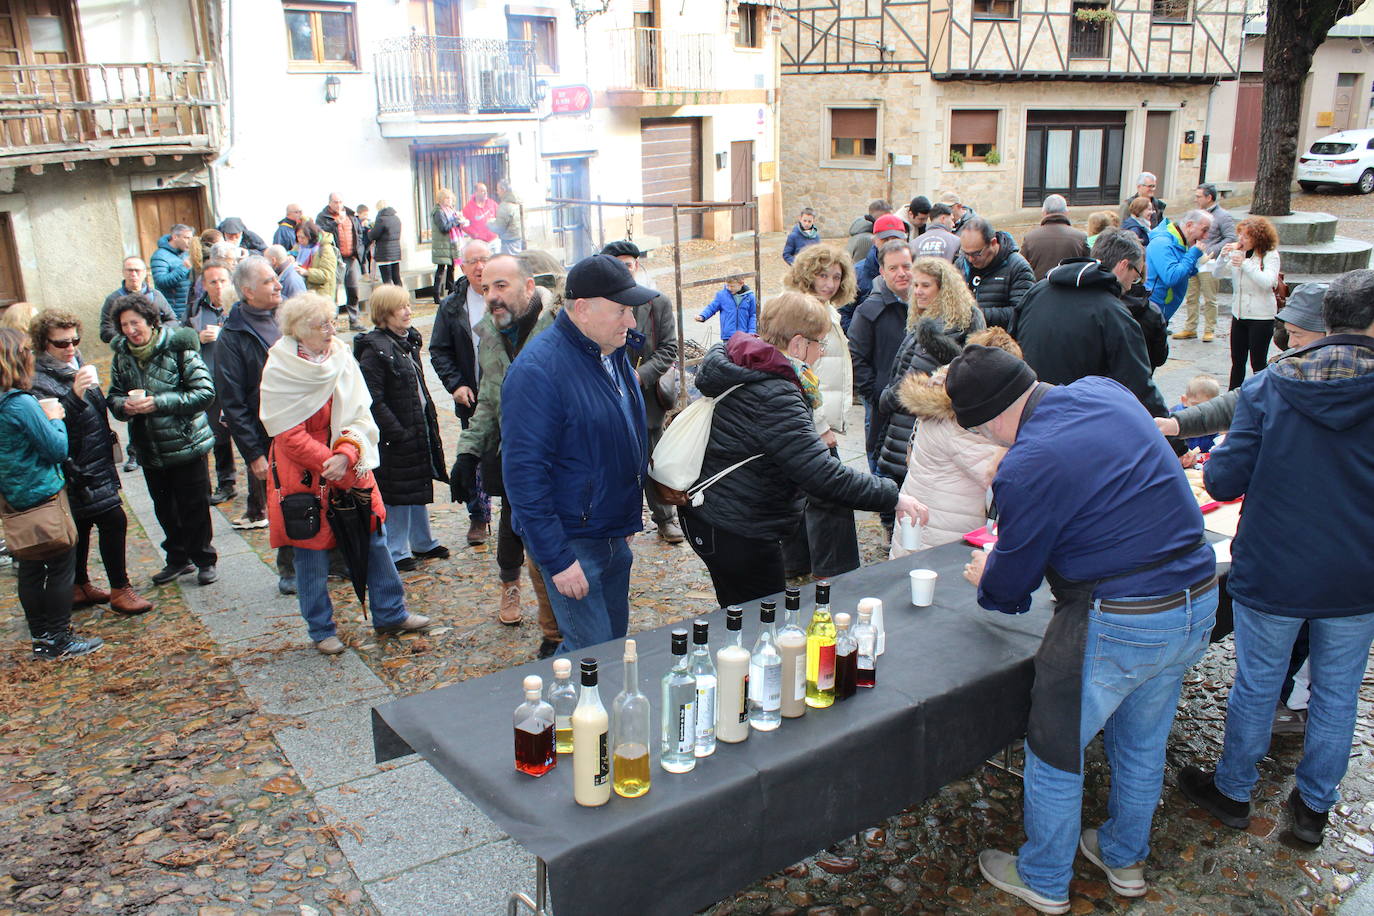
{"x": 64, "y": 344}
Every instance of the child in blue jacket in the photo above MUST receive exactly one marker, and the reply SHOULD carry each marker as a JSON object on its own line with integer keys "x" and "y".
{"x": 739, "y": 311}
{"x": 803, "y": 234}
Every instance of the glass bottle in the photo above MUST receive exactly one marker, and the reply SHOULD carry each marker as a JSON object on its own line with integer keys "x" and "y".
{"x": 765, "y": 673}
{"x": 534, "y": 752}
{"x": 677, "y": 749}
{"x": 704, "y": 670}
{"x": 846, "y": 659}
{"x": 792, "y": 648}
{"x": 875, "y": 610}
{"x": 820, "y": 652}
{"x": 732, "y": 670}
{"x": 562, "y": 696}
{"x": 630, "y": 731}
{"x": 868, "y": 640}
{"x": 591, "y": 754}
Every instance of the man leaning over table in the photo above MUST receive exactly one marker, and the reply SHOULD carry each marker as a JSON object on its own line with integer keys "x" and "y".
{"x": 1119, "y": 536}
{"x": 574, "y": 450}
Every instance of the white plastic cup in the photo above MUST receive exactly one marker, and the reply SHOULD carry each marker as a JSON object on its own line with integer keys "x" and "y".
{"x": 137, "y": 393}
{"x": 909, "y": 533}
{"x": 987, "y": 548}
{"x": 923, "y": 587}
{"x": 92, "y": 373}
{"x": 52, "y": 407}
{"x": 214, "y": 331}
{"x": 875, "y": 607}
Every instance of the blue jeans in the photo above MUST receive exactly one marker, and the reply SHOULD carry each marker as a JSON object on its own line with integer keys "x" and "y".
{"x": 479, "y": 507}
{"x": 1339, "y": 649}
{"x": 1133, "y": 670}
{"x": 385, "y": 596}
{"x": 605, "y": 612}
{"x": 407, "y": 530}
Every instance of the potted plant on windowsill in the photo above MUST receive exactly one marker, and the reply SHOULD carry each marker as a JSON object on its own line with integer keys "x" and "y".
{"x": 993, "y": 157}
{"x": 1098, "y": 14}
{"x": 956, "y": 158}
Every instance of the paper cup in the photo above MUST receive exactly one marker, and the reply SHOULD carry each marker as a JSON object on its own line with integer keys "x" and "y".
{"x": 51, "y": 407}
{"x": 909, "y": 533}
{"x": 923, "y": 587}
{"x": 93, "y": 374}
{"x": 137, "y": 393}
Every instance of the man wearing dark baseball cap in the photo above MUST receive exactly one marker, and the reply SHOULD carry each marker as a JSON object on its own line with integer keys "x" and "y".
{"x": 1091, "y": 497}
{"x": 575, "y": 450}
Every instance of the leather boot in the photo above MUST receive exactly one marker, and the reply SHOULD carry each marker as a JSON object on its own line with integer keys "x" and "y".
{"x": 509, "y": 614}
{"x": 84, "y": 594}
{"x": 127, "y": 601}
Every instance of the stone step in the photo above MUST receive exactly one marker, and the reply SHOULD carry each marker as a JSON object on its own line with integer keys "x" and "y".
{"x": 1301, "y": 227}
{"x": 1333, "y": 257}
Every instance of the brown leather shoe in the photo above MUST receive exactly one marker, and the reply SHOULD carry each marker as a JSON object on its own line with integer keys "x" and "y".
{"x": 84, "y": 594}
{"x": 1208, "y": 336}
{"x": 127, "y": 601}
{"x": 478, "y": 532}
{"x": 509, "y": 614}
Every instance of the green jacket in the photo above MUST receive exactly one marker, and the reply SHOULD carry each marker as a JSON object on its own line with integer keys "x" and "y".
{"x": 322, "y": 274}
{"x": 483, "y": 435}
{"x": 179, "y": 383}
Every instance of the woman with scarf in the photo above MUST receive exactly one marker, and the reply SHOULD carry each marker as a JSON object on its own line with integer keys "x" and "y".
{"x": 161, "y": 387}
{"x": 445, "y": 228}
{"x": 412, "y": 454}
{"x": 317, "y": 260}
{"x": 316, "y": 408}
{"x": 92, "y": 478}
{"x": 768, "y": 421}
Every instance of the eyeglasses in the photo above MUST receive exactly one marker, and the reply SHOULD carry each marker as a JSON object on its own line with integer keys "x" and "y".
{"x": 974, "y": 255}
{"x": 477, "y": 260}
{"x": 819, "y": 343}
{"x": 64, "y": 344}
{"x": 1140, "y": 273}
{"x": 322, "y": 326}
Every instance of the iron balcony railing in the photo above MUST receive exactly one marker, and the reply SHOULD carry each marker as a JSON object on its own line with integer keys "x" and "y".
{"x": 441, "y": 74}
{"x": 643, "y": 58}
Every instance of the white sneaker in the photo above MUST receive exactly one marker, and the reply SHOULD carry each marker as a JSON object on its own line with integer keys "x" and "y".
{"x": 1128, "y": 881}
{"x": 999, "y": 868}
{"x": 245, "y": 523}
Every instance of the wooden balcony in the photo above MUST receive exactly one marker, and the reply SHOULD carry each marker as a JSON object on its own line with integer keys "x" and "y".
{"x": 68, "y": 112}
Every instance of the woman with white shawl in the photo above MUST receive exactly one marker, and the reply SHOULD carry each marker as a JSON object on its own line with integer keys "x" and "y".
{"x": 316, "y": 408}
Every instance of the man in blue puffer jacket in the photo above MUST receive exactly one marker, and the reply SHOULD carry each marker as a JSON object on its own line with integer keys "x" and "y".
{"x": 171, "y": 267}
{"x": 574, "y": 450}
{"x": 1171, "y": 259}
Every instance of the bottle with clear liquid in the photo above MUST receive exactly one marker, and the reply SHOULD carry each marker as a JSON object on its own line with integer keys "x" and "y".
{"x": 630, "y": 732}
{"x": 562, "y": 696}
{"x": 704, "y": 670}
{"x": 875, "y": 612}
{"x": 846, "y": 659}
{"x": 792, "y": 648}
{"x": 677, "y": 748}
{"x": 868, "y": 640}
{"x": 534, "y": 752}
{"x": 732, "y": 671}
{"x": 765, "y": 673}
{"x": 820, "y": 652}
{"x": 591, "y": 744}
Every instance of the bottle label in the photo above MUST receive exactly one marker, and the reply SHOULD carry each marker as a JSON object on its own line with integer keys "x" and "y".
{"x": 825, "y": 674}
{"x": 744, "y": 702}
{"x": 706, "y": 714}
{"x": 686, "y": 729}
{"x": 799, "y": 677}
{"x": 603, "y": 763}
{"x": 771, "y": 693}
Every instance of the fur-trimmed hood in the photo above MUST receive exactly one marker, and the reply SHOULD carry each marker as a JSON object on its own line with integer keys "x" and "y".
{"x": 923, "y": 396}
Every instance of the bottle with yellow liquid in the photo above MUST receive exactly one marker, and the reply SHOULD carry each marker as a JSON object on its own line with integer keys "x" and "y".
{"x": 820, "y": 652}
{"x": 562, "y": 696}
{"x": 630, "y": 732}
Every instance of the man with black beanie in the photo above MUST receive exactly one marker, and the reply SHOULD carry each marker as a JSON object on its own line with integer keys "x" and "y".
{"x": 1092, "y": 498}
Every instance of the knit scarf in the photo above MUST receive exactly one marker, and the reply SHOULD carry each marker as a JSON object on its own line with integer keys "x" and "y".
{"x": 294, "y": 389}
{"x": 145, "y": 352}
{"x": 811, "y": 385}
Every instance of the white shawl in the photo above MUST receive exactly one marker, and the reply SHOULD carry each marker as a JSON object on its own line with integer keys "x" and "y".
{"x": 294, "y": 389}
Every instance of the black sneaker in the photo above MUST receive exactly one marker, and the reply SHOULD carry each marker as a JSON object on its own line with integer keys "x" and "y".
{"x": 435, "y": 553}
{"x": 286, "y": 585}
{"x": 1308, "y": 825}
{"x": 407, "y": 564}
{"x": 1197, "y": 785}
{"x": 207, "y": 575}
{"x": 223, "y": 494}
{"x": 65, "y": 645}
{"x": 131, "y": 465}
{"x": 548, "y": 647}
{"x": 169, "y": 572}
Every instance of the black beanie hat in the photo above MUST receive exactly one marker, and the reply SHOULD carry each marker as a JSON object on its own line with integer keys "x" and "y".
{"x": 983, "y": 382}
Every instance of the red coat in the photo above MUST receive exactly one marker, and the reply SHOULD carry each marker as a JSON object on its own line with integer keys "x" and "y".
{"x": 477, "y": 215}
{"x": 301, "y": 450}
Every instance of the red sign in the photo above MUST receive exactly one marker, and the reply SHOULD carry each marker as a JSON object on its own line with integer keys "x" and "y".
{"x": 571, "y": 99}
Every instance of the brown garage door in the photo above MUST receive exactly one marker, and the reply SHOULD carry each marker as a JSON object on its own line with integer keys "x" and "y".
{"x": 671, "y": 154}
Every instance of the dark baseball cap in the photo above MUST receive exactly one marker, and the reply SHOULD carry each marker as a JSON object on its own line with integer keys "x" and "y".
{"x": 602, "y": 276}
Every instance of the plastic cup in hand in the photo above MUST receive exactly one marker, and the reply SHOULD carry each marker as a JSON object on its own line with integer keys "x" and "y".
{"x": 909, "y": 533}
{"x": 138, "y": 393}
{"x": 214, "y": 331}
{"x": 923, "y": 587}
{"x": 52, "y": 407}
{"x": 92, "y": 375}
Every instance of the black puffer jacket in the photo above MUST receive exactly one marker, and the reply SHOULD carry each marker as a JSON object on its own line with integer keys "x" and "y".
{"x": 239, "y": 357}
{"x": 769, "y": 415}
{"x": 178, "y": 381}
{"x": 92, "y": 480}
{"x": 1000, "y": 287}
{"x": 412, "y": 453}
{"x": 924, "y": 349}
{"x": 386, "y": 235}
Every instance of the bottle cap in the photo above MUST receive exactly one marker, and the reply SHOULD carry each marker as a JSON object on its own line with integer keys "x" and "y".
{"x": 588, "y": 672}
{"x": 871, "y": 604}
{"x": 533, "y": 684}
{"x": 734, "y": 618}
{"x": 768, "y": 610}
{"x": 631, "y": 651}
{"x": 562, "y": 667}
{"x": 865, "y": 614}
{"x": 679, "y": 642}
{"x": 841, "y": 620}
{"x": 823, "y": 592}
{"x": 700, "y": 629}
{"x": 792, "y": 597}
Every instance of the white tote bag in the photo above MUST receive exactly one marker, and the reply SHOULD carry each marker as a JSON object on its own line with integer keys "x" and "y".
{"x": 676, "y": 462}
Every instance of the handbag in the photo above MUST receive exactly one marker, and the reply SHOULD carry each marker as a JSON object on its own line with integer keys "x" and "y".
{"x": 676, "y": 462}
{"x": 39, "y": 532}
{"x": 1281, "y": 292}
{"x": 300, "y": 512}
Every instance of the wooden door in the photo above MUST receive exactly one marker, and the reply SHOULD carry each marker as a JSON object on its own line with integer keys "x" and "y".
{"x": 11, "y": 281}
{"x": 1245, "y": 135}
{"x": 157, "y": 211}
{"x": 1156, "y": 153}
{"x": 42, "y": 34}
{"x": 1343, "y": 104}
{"x": 742, "y": 184}
{"x": 671, "y": 171}
{"x": 448, "y": 17}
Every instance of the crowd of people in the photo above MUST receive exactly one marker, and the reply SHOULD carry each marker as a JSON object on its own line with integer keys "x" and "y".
{"x": 998, "y": 380}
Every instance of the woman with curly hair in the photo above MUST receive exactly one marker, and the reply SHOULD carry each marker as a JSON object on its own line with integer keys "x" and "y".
{"x": 1252, "y": 261}
{"x": 317, "y": 260}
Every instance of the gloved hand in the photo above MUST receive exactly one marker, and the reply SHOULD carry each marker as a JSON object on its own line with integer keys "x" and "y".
{"x": 463, "y": 479}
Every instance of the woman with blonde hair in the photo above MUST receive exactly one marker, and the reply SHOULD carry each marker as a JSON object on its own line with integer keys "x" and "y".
{"x": 444, "y": 224}
{"x": 941, "y": 315}
{"x": 316, "y": 408}
{"x": 18, "y": 316}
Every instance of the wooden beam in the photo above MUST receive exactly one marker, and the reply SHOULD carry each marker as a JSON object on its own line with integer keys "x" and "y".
{"x": 177, "y": 157}
{"x": 36, "y": 168}
{"x": 69, "y": 166}
{"x": 150, "y": 160}
{"x": 113, "y": 160}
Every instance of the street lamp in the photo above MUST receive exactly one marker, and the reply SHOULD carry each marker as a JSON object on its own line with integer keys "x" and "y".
{"x": 331, "y": 88}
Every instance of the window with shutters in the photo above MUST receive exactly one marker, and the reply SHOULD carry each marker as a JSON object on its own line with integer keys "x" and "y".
{"x": 853, "y": 135}
{"x": 749, "y": 33}
{"x": 972, "y": 133}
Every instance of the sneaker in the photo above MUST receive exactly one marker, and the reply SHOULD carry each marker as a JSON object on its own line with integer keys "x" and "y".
{"x": 1197, "y": 785}
{"x": 247, "y": 522}
{"x": 434, "y": 553}
{"x": 1184, "y": 335}
{"x": 222, "y": 494}
{"x": 670, "y": 533}
{"x": 65, "y": 645}
{"x": 412, "y": 623}
{"x": 548, "y": 647}
{"x": 130, "y": 466}
{"x": 169, "y": 572}
{"x": 287, "y": 585}
{"x": 999, "y": 868}
{"x": 407, "y": 564}
{"x": 1289, "y": 721}
{"x": 84, "y": 594}
{"x": 207, "y": 575}
{"x": 1128, "y": 881}
{"x": 478, "y": 532}
{"x": 330, "y": 645}
{"x": 1308, "y": 825}
{"x": 127, "y": 601}
{"x": 509, "y": 612}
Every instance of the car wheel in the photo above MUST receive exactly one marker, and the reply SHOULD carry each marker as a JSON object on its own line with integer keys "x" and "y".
{"x": 1366, "y": 183}
{"x": 1308, "y": 186}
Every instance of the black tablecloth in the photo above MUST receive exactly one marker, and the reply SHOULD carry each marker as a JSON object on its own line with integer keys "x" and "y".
{"x": 953, "y": 689}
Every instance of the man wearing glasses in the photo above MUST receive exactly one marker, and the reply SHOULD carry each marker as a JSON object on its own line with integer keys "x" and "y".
{"x": 1145, "y": 186}
{"x": 135, "y": 281}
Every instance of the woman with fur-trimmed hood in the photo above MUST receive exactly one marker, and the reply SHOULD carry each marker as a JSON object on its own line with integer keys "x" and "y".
{"x": 949, "y": 467}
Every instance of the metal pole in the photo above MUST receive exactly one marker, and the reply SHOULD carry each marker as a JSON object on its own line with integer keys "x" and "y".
{"x": 539, "y": 905}
{"x": 600, "y": 223}
{"x": 681, "y": 330}
{"x": 758, "y": 260}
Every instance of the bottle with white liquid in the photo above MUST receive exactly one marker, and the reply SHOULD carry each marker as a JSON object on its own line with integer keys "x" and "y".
{"x": 792, "y": 648}
{"x": 677, "y": 746}
{"x": 591, "y": 743}
{"x": 732, "y": 675}
{"x": 765, "y": 673}
{"x": 704, "y": 670}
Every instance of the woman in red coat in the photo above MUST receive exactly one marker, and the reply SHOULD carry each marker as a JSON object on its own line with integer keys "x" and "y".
{"x": 316, "y": 407}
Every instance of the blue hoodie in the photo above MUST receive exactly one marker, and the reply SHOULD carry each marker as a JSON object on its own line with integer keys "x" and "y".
{"x": 1170, "y": 263}
{"x": 171, "y": 277}
{"x": 1301, "y": 452}
{"x": 738, "y": 312}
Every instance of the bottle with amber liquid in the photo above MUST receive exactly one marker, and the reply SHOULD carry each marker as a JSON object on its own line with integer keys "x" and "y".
{"x": 792, "y": 648}
{"x": 846, "y": 659}
{"x": 820, "y": 652}
{"x": 630, "y": 731}
{"x": 868, "y": 641}
{"x": 534, "y": 752}
{"x": 562, "y": 696}
{"x": 591, "y": 750}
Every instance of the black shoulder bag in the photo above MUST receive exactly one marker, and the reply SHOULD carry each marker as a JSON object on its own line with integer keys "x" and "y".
{"x": 300, "y": 512}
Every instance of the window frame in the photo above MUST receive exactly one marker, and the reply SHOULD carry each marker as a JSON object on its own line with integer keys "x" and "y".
{"x": 992, "y": 14}
{"x": 467, "y": 163}
{"x": 754, "y": 13}
{"x": 1156, "y": 19}
{"x": 1104, "y": 31}
{"x": 968, "y": 149}
{"x": 829, "y": 159}
{"x": 320, "y": 64}
{"x": 526, "y": 23}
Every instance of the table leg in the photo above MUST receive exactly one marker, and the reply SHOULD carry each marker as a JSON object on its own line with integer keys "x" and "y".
{"x": 1004, "y": 763}
{"x": 539, "y": 905}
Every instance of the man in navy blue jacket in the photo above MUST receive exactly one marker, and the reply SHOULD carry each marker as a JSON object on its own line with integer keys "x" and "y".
{"x": 575, "y": 451}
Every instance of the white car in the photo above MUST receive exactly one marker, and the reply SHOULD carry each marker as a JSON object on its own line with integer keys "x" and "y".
{"x": 1346, "y": 158}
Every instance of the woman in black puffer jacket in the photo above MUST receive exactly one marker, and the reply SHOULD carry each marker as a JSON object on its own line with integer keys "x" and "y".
{"x": 941, "y": 316}
{"x": 92, "y": 479}
{"x": 738, "y": 529}
{"x": 385, "y": 234}
{"x": 412, "y": 453}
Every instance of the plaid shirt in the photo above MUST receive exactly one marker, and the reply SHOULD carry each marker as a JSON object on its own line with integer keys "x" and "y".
{"x": 1328, "y": 364}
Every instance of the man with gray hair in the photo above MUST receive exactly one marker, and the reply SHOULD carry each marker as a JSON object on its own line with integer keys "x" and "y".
{"x": 1145, "y": 185}
{"x": 1172, "y": 258}
{"x": 1203, "y": 285}
{"x": 962, "y": 212}
{"x": 171, "y": 267}
{"x": 508, "y": 223}
{"x": 284, "y": 264}
{"x": 1055, "y": 239}
{"x": 343, "y": 224}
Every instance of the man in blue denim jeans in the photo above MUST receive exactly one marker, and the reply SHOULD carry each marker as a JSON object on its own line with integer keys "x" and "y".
{"x": 1301, "y": 451}
{"x": 1088, "y": 498}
